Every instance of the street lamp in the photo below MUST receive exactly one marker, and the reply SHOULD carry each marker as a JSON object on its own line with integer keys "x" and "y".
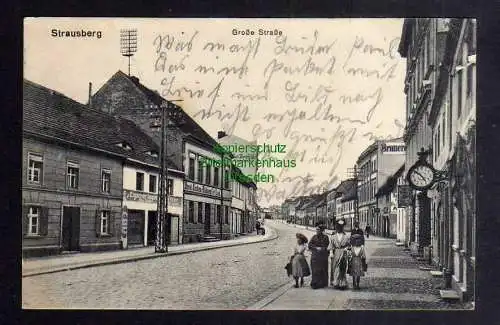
{"x": 160, "y": 120}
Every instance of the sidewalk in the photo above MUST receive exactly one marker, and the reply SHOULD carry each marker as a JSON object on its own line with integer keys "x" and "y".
{"x": 393, "y": 281}
{"x": 59, "y": 263}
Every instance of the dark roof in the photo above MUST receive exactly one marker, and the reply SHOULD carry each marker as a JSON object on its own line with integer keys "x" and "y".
{"x": 189, "y": 126}
{"x": 390, "y": 183}
{"x": 347, "y": 190}
{"x": 48, "y": 113}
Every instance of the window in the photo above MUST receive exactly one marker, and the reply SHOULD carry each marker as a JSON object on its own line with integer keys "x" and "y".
{"x": 33, "y": 220}
{"x": 216, "y": 176}
{"x": 139, "y": 181}
{"x": 200, "y": 170}
{"x": 208, "y": 175}
{"x": 105, "y": 219}
{"x": 226, "y": 215}
{"x": 106, "y": 180}
{"x": 73, "y": 175}
{"x": 170, "y": 185}
{"x": 191, "y": 211}
{"x": 191, "y": 168}
{"x": 200, "y": 212}
{"x": 35, "y": 167}
{"x": 152, "y": 183}
{"x": 226, "y": 178}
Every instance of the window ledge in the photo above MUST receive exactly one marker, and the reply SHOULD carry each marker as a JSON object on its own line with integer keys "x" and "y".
{"x": 32, "y": 236}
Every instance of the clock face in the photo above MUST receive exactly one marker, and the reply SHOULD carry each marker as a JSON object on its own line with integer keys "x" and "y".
{"x": 421, "y": 176}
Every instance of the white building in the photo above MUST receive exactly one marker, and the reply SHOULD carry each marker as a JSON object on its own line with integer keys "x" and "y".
{"x": 140, "y": 197}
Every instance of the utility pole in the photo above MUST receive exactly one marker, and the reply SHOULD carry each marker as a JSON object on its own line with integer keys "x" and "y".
{"x": 354, "y": 175}
{"x": 128, "y": 44}
{"x": 160, "y": 121}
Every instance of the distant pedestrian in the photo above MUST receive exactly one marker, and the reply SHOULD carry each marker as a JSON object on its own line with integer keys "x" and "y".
{"x": 318, "y": 245}
{"x": 357, "y": 263}
{"x": 340, "y": 244}
{"x": 368, "y": 230}
{"x": 257, "y": 226}
{"x": 358, "y": 231}
{"x": 300, "y": 268}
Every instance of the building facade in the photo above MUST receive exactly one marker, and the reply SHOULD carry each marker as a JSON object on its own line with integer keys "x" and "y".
{"x": 72, "y": 175}
{"x": 452, "y": 119}
{"x": 140, "y": 197}
{"x": 330, "y": 208}
{"x": 422, "y": 44}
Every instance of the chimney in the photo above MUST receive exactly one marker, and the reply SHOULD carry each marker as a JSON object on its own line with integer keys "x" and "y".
{"x": 221, "y": 134}
{"x": 90, "y": 95}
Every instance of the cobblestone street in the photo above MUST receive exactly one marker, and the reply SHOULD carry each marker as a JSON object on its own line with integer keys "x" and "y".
{"x": 225, "y": 278}
{"x": 236, "y": 278}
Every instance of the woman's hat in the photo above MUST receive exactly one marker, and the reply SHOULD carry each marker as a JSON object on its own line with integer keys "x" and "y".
{"x": 341, "y": 222}
{"x": 301, "y": 237}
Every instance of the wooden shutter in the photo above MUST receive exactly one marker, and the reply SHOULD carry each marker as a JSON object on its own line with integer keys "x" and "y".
{"x": 25, "y": 210}
{"x": 98, "y": 222}
{"x": 111, "y": 221}
{"x": 185, "y": 217}
{"x": 44, "y": 221}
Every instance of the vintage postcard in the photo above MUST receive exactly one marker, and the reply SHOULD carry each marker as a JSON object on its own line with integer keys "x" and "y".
{"x": 261, "y": 164}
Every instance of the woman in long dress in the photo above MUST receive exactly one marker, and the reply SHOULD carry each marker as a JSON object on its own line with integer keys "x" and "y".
{"x": 340, "y": 244}
{"x": 300, "y": 268}
{"x": 319, "y": 258}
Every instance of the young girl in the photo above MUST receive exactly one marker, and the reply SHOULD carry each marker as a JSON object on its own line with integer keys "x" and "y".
{"x": 357, "y": 265}
{"x": 300, "y": 268}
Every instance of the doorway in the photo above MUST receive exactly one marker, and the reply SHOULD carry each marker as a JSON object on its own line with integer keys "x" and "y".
{"x": 207, "y": 219}
{"x": 71, "y": 229}
{"x": 151, "y": 228}
{"x": 135, "y": 232}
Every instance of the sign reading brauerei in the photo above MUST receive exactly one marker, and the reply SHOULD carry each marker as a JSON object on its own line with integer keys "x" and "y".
{"x": 404, "y": 196}
{"x": 393, "y": 148}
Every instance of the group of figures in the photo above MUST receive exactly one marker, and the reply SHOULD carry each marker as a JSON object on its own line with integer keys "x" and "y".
{"x": 347, "y": 254}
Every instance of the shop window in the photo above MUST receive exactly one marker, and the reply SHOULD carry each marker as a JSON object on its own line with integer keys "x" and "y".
{"x": 191, "y": 211}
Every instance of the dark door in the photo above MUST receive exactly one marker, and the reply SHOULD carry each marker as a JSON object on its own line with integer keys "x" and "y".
{"x": 207, "y": 219}
{"x": 151, "y": 228}
{"x": 71, "y": 229}
{"x": 135, "y": 232}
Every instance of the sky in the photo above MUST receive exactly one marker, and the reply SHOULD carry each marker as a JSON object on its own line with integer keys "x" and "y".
{"x": 323, "y": 88}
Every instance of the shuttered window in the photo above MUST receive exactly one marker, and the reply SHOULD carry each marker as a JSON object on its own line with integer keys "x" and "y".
{"x": 73, "y": 174}
{"x": 104, "y": 223}
{"x": 35, "y": 220}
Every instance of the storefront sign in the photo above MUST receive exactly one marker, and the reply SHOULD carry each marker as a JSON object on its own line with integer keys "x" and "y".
{"x": 140, "y": 196}
{"x": 173, "y": 201}
{"x": 404, "y": 196}
{"x": 201, "y": 189}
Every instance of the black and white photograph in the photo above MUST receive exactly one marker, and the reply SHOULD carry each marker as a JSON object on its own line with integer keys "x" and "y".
{"x": 249, "y": 164}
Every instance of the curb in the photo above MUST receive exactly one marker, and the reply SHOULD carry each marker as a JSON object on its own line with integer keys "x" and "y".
{"x": 140, "y": 258}
{"x": 271, "y": 298}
